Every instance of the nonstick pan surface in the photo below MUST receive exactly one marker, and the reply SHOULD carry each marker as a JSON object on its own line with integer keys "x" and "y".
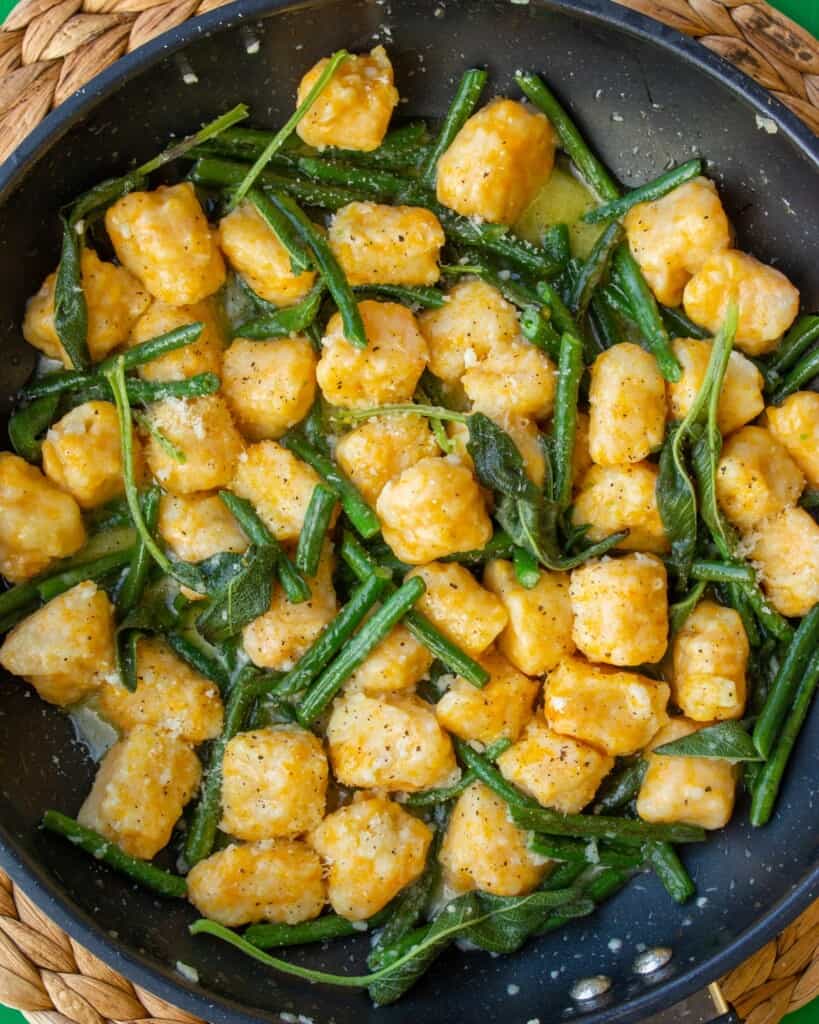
{"x": 645, "y": 97}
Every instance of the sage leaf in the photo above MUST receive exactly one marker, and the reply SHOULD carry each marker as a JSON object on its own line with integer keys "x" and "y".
{"x": 679, "y": 612}
{"x": 677, "y": 503}
{"x": 70, "y": 310}
{"x": 498, "y": 463}
{"x": 506, "y": 922}
{"x": 725, "y": 741}
{"x": 243, "y": 592}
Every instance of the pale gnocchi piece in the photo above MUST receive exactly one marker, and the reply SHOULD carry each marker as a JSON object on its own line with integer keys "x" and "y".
{"x": 372, "y": 849}
{"x": 475, "y": 320}
{"x": 269, "y": 385}
{"x": 114, "y": 300}
{"x": 203, "y": 430}
{"x": 38, "y": 520}
{"x": 377, "y": 244}
{"x": 164, "y": 239}
{"x": 469, "y": 614}
{"x": 274, "y": 783}
{"x": 620, "y": 608}
{"x": 756, "y": 477}
{"x": 386, "y": 371}
{"x": 355, "y": 107}
{"x": 768, "y": 302}
{"x": 559, "y": 772}
{"x": 614, "y": 498}
{"x": 539, "y": 631}
{"x": 82, "y": 454}
{"x": 278, "y": 484}
{"x": 197, "y": 526}
{"x": 740, "y": 399}
{"x": 785, "y": 549}
{"x": 618, "y": 712}
{"x": 278, "y": 638}
{"x": 433, "y": 509}
{"x": 498, "y": 710}
{"x": 673, "y": 236}
{"x": 277, "y": 880}
{"x": 142, "y": 785}
{"x": 689, "y": 790}
{"x": 795, "y": 424}
{"x": 169, "y": 695}
{"x": 483, "y": 849}
{"x": 398, "y": 662}
{"x": 392, "y": 742}
{"x": 202, "y": 356}
{"x": 381, "y": 448}
{"x": 497, "y": 162}
{"x": 710, "y": 660}
{"x": 626, "y": 405}
{"x": 65, "y": 648}
{"x": 515, "y": 380}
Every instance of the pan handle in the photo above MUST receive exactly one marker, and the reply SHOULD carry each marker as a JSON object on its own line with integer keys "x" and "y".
{"x": 699, "y": 1008}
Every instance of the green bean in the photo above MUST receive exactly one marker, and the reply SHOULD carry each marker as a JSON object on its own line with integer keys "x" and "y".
{"x": 384, "y": 184}
{"x": 621, "y": 787}
{"x": 70, "y": 315}
{"x": 564, "y": 423}
{"x": 55, "y": 585}
{"x": 736, "y": 597}
{"x": 564, "y": 875}
{"x": 798, "y": 340}
{"x": 656, "y": 189}
{"x": 500, "y": 545}
{"x": 443, "y": 795}
{"x": 770, "y": 776}
{"x": 322, "y": 929}
{"x": 54, "y": 384}
{"x": 576, "y": 851}
{"x": 202, "y": 830}
{"x": 418, "y": 296}
{"x": 670, "y": 870}
{"x": 112, "y": 514}
{"x": 319, "y": 654}
{"x": 149, "y": 350}
{"x": 134, "y": 582}
{"x": 490, "y": 776}
{"x": 594, "y": 268}
{"x": 679, "y": 325}
{"x": 199, "y": 659}
{"x": 810, "y": 499}
{"x": 679, "y": 611}
{"x": 100, "y": 848}
{"x": 599, "y": 889}
{"x": 721, "y": 572}
{"x": 786, "y": 682}
{"x": 314, "y": 529}
{"x": 571, "y": 140}
{"x": 555, "y": 242}
{"x": 26, "y": 425}
{"x": 355, "y": 507}
{"x": 769, "y": 617}
{"x": 283, "y": 230}
{"x": 460, "y": 109}
{"x": 644, "y": 309}
{"x": 213, "y": 172}
{"x": 538, "y": 330}
{"x": 802, "y": 373}
{"x": 144, "y": 392}
{"x": 514, "y": 291}
{"x": 327, "y": 685}
{"x": 562, "y": 318}
{"x": 209, "y": 131}
{"x": 527, "y": 570}
{"x": 103, "y": 194}
{"x": 605, "y": 329}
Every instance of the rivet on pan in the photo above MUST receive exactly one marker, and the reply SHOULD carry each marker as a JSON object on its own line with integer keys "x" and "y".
{"x": 590, "y": 988}
{"x": 189, "y": 76}
{"x": 251, "y": 40}
{"x": 652, "y": 960}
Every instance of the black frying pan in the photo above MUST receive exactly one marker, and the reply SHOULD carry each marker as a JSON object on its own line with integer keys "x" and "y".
{"x": 645, "y": 96}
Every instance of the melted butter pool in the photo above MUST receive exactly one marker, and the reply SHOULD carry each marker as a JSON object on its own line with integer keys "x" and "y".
{"x": 563, "y": 199}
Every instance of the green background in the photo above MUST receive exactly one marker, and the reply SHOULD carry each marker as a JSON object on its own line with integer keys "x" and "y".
{"x": 806, "y": 12}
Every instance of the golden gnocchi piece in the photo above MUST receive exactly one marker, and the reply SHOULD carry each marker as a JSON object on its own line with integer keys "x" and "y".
{"x": 710, "y": 659}
{"x": 626, "y": 405}
{"x": 689, "y": 790}
{"x": 373, "y": 849}
{"x": 387, "y": 370}
{"x": 397, "y": 663}
{"x": 38, "y": 520}
{"x": 497, "y": 162}
{"x": 202, "y": 356}
{"x": 279, "y": 880}
{"x": 381, "y": 448}
{"x": 539, "y": 631}
{"x": 81, "y": 454}
{"x": 459, "y": 606}
{"x": 354, "y": 108}
{"x": 114, "y": 300}
{"x": 433, "y": 509}
{"x": 65, "y": 648}
{"x": 274, "y": 783}
{"x": 617, "y": 712}
{"x": 581, "y": 458}
{"x": 378, "y": 244}
{"x": 756, "y": 477}
{"x": 785, "y": 549}
{"x": 740, "y": 400}
{"x": 164, "y": 239}
{"x": 392, "y": 743}
{"x": 516, "y": 380}
{"x": 620, "y": 608}
{"x": 269, "y": 385}
{"x": 162, "y": 769}
{"x": 204, "y": 432}
{"x": 558, "y": 771}
{"x": 197, "y": 526}
{"x": 499, "y": 710}
{"x": 672, "y": 237}
{"x": 795, "y": 424}
{"x": 256, "y": 253}
{"x": 169, "y": 695}
{"x": 768, "y": 302}
{"x": 483, "y": 849}
{"x": 614, "y": 498}
{"x": 475, "y": 320}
